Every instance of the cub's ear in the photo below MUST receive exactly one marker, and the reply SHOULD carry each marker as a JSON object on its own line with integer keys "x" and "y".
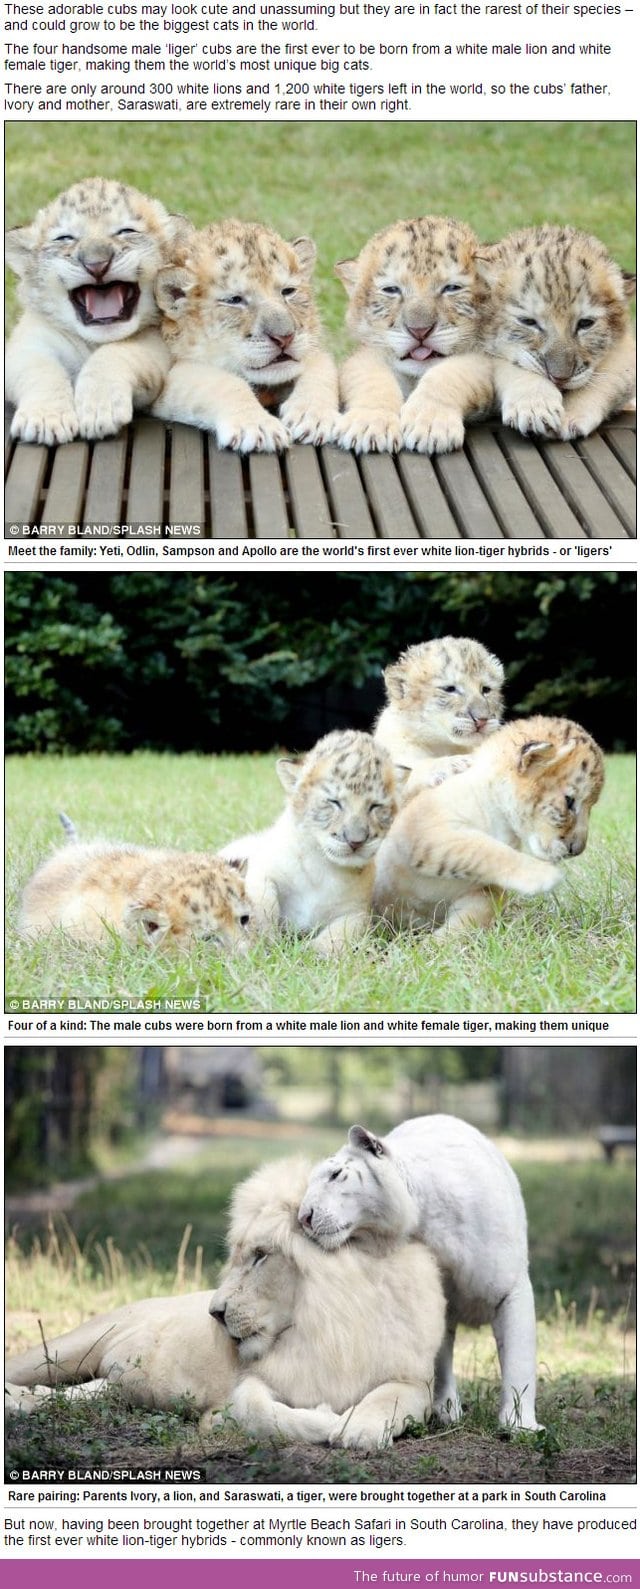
{"x": 541, "y": 753}
{"x": 347, "y": 270}
{"x": 394, "y": 678}
{"x": 18, "y": 247}
{"x": 172, "y": 289}
{"x": 487, "y": 260}
{"x": 402, "y": 774}
{"x": 287, "y": 771}
{"x": 629, "y": 283}
{"x": 239, "y": 864}
{"x": 359, "y": 1137}
{"x": 149, "y": 919}
{"x": 305, "y": 251}
{"x": 180, "y": 227}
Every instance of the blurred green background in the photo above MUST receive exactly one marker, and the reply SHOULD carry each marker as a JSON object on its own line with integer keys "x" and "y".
{"x": 340, "y": 183}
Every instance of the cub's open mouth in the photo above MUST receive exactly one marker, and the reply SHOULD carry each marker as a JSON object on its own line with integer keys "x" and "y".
{"x": 107, "y": 304}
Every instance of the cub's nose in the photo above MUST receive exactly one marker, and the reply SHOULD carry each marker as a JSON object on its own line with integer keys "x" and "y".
{"x": 420, "y": 332}
{"x": 283, "y": 342}
{"x": 478, "y": 721}
{"x": 97, "y": 265}
{"x": 576, "y": 846}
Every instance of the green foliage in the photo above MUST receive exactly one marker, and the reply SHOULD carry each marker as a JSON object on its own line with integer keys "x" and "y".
{"x": 212, "y": 662}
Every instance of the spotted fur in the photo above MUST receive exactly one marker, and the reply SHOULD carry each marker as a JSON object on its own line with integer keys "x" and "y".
{"x": 414, "y": 304}
{"x": 313, "y": 870}
{"x": 239, "y": 319}
{"x": 87, "y": 352}
{"x": 444, "y": 698}
{"x": 557, "y": 310}
{"x": 161, "y": 896}
{"x": 521, "y": 806}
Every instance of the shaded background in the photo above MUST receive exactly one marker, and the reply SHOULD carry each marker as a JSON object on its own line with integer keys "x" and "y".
{"x": 217, "y": 662}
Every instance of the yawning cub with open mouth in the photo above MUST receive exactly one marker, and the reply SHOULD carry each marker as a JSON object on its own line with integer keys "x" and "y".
{"x": 86, "y": 352}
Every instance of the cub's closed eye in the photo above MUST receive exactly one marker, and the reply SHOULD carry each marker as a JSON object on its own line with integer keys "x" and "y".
{"x": 64, "y": 237}
{"x": 234, "y": 299}
{"x": 126, "y": 231}
{"x": 331, "y": 801}
{"x": 452, "y": 286}
{"x": 570, "y": 803}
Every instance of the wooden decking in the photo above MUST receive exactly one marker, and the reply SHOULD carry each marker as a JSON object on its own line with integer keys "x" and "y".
{"x": 502, "y": 486}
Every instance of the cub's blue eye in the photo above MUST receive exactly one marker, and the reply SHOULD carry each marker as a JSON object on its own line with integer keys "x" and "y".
{"x": 234, "y": 299}
{"x": 453, "y": 286}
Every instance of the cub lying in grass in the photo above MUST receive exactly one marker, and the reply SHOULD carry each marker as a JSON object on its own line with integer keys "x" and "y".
{"x": 164, "y": 896}
{"x": 521, "y": 806}
{"x": 239, "y": 319}
{"x": 313, "y": 870}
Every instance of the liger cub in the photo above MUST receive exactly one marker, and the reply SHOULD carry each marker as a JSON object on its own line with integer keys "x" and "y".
{"x": 557, "y": 322}
{"x": 444, "y": 698}
{"x": 415, "y": 299}
{"x": 521, "y": 806}
{"x": 162, "y": 897}
{"x": 239, "y": 319}
{"x": 313, "y": 870}
{"x": 87, "y": 351}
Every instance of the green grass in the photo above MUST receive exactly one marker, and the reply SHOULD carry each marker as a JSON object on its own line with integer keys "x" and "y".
{"x": 126, "y": 1241}
{"x": 339, "y": 183}
{"x": 568, "y": 952}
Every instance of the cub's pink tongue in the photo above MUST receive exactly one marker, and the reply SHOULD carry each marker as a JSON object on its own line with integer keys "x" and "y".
{"x": 104, "y": 303}
{"x": 420, "y": 354}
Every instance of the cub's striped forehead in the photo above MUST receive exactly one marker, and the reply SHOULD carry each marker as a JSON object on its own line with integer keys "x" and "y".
{"x": 351, "y": 759}
{"x": 97, "y": 197}
{"x": 419, "y": 244}
{"x": 559, "y": 264}
{"x": 236, "y": 249}
{"x": 452, "y": 658}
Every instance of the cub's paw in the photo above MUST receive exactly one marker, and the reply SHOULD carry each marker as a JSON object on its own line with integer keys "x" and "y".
{"x": 582, "y": 422}
{"x": 368, "y": 430}
{"x": 539, "y": 416}
{"x": 540, "y": 878}
{"x": 314, "y": 426}
{"x": 428, "y": 428}
{"x": 451, "y": 766}
{"x": 264, "y": 434}
{"x": 102, "y": 411}
{"x": 48, "y": 427}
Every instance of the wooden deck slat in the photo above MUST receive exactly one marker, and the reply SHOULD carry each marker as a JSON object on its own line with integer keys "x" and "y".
{"x": 505, "y": 495}
{"x": 103, "y": 501}
{"x": 186, "y": 489}
{"x": 226, "y": 489}
{"x": 23, "y": 485}
{"x": 145, "y": 503}
{"x": 309, "y": 505}
{"x": 466, "y": 498}
{"x": 427, "y": 500}
{"x": 613, "y": 481}
{"x": 502, "y": 485}
{"x": 582, "y": 492}
{"x": 65, "y": 496}
{"x": 350, "y": 511}
{"x": 391, "y": 511}
{"x": 270, "y": 517}
{"x": 623, "y": 443}
{"x": 540, "y": 489}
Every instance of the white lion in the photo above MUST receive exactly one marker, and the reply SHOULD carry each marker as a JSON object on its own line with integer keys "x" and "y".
{"x": 438, "y": 1178}
{"x": 316, "y": 1346}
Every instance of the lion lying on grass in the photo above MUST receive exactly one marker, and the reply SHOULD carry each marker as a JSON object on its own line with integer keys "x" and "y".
{"x": 295, "y": 1343}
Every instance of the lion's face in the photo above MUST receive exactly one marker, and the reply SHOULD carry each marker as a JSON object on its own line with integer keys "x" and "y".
{"x": 239, "y": 296}
{"x": 89, "y": 260}
{"x": 255, "y": 1301}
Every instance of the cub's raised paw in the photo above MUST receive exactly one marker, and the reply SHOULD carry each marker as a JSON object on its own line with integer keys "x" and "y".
{"x": 265, "y": 434}
{"x": 48, "y": 427}
{"x": 541, "y": 416}
{"x": 314, "y": 426}
{"x": 368, "y": 430}
{"x": 102, "y": 413}
{"x": 427, "y": 428}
